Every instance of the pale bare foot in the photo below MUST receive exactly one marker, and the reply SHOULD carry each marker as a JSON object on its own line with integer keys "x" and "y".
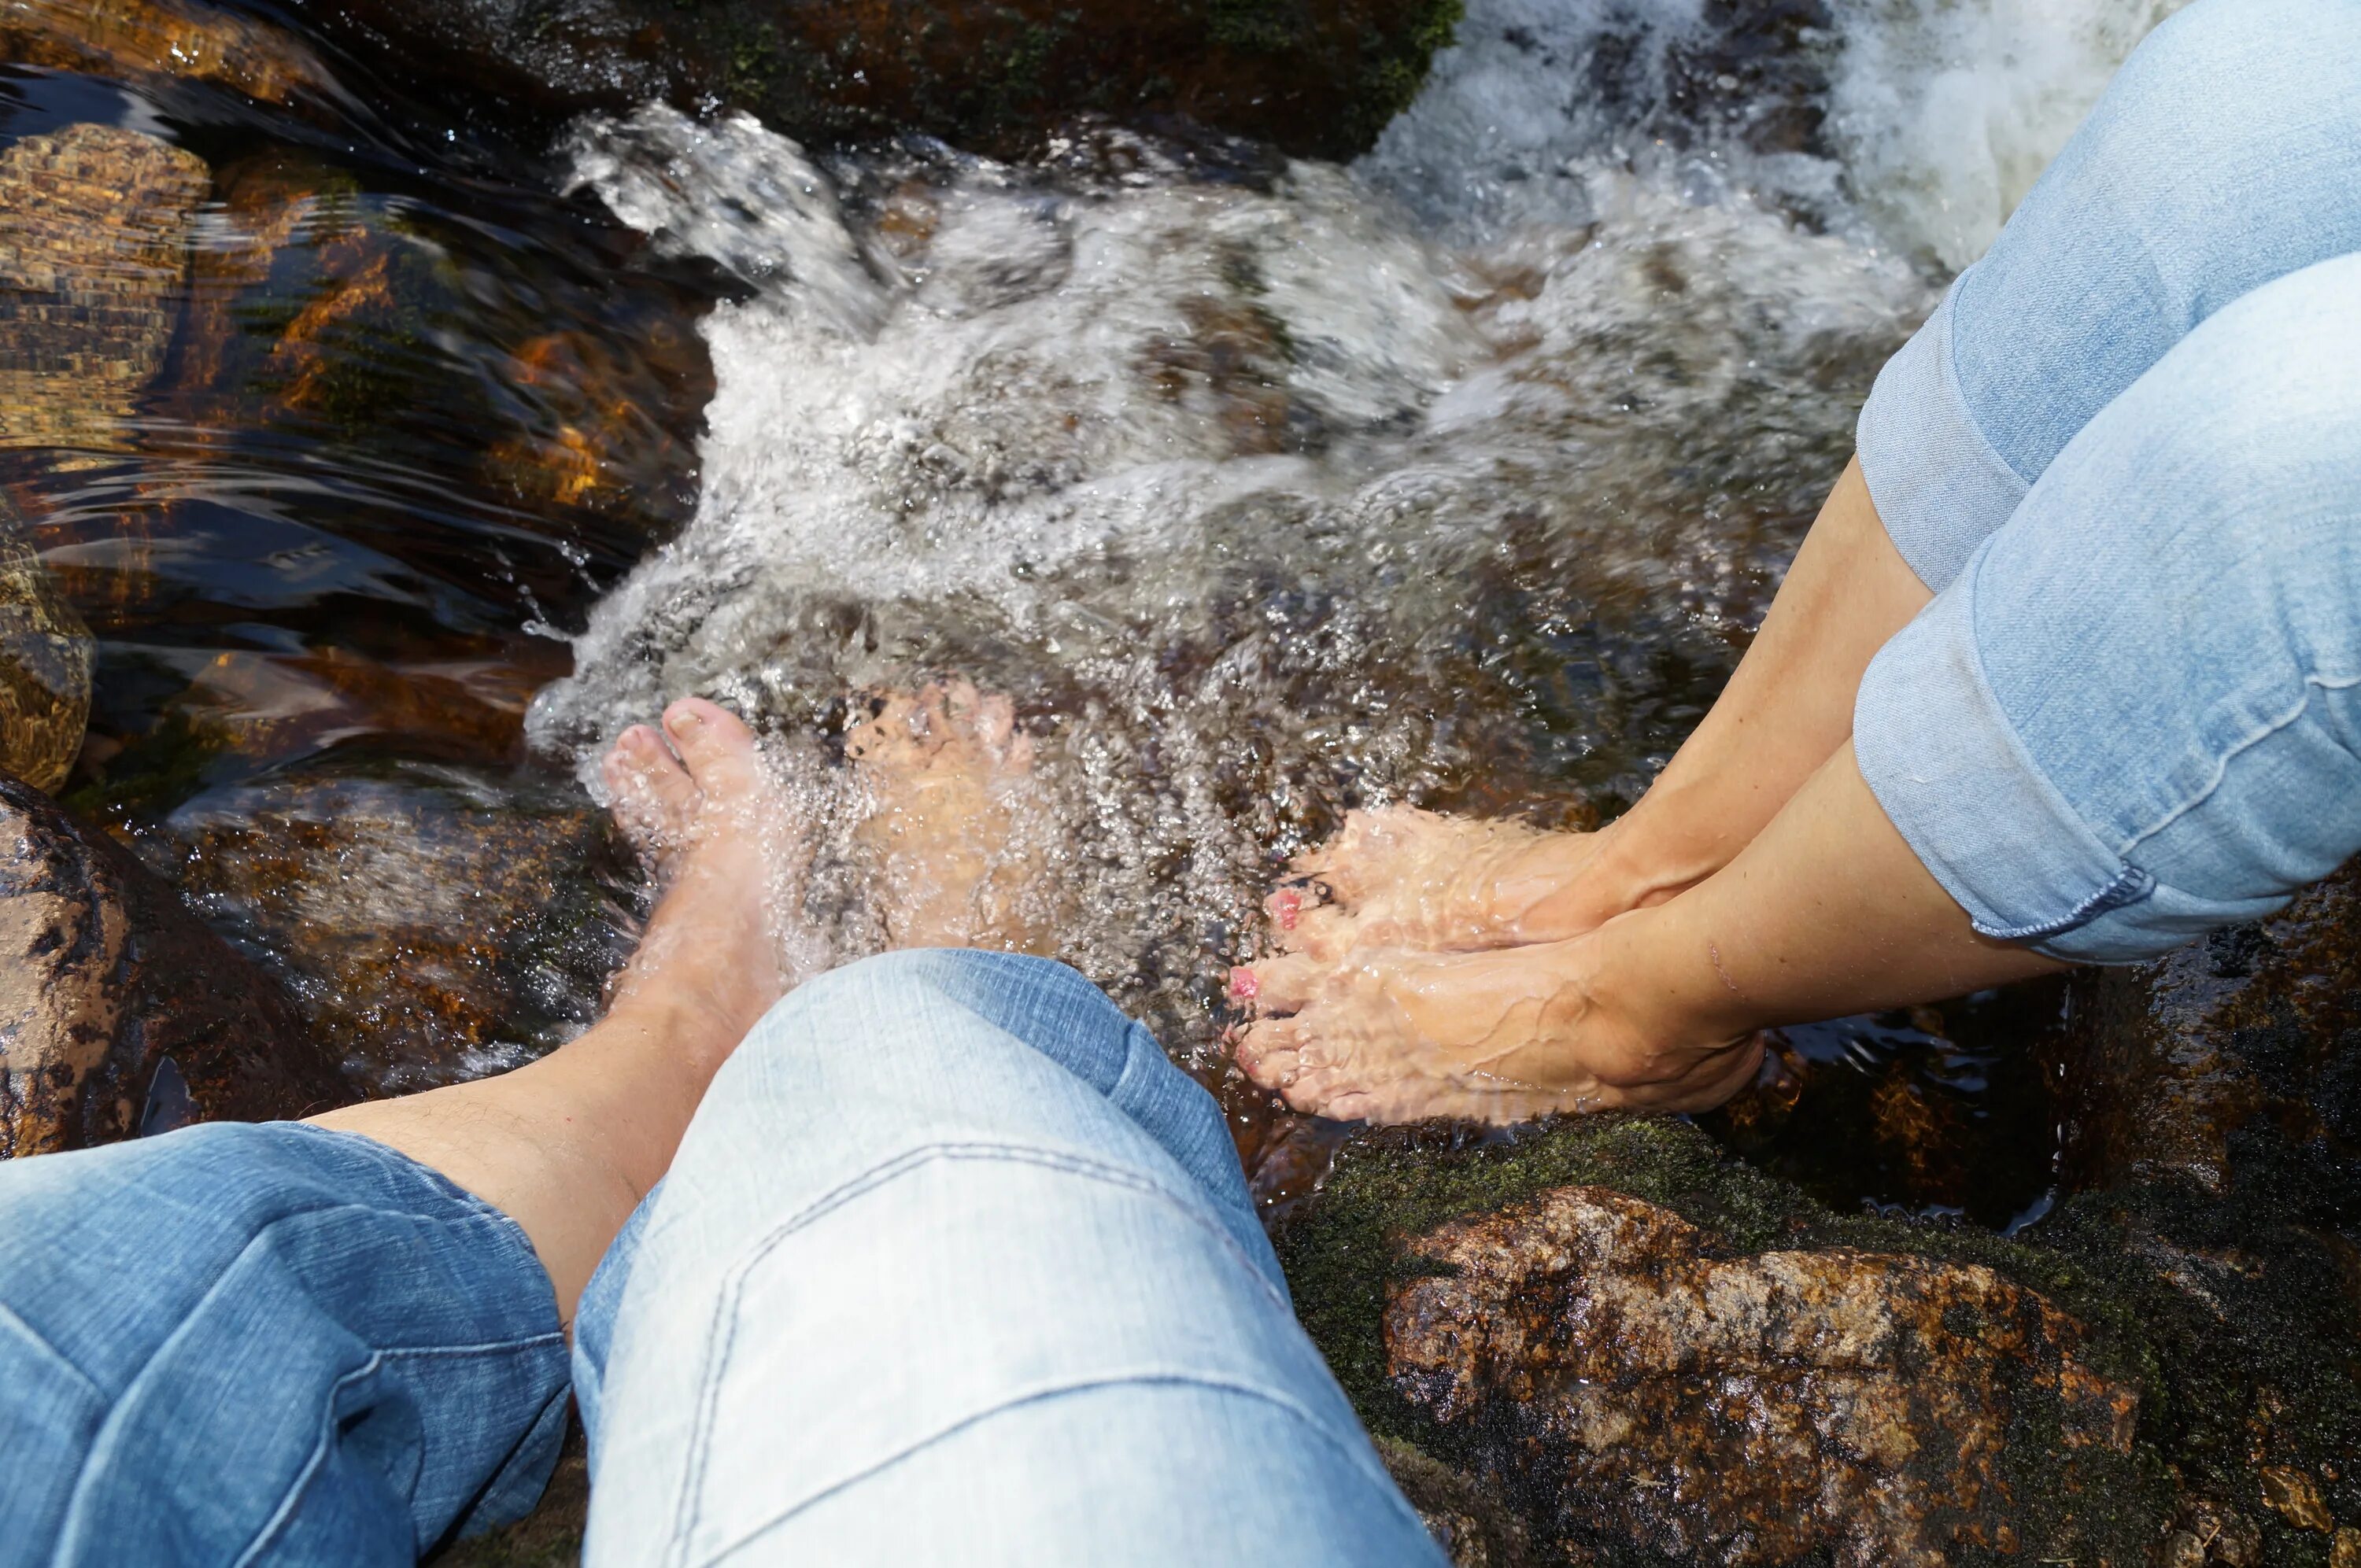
{"x": 947, "y": 771}
{"x": 1399, "y": 877}
{"x": 1503, "y": 1035}
{"x": 729, "y": 857}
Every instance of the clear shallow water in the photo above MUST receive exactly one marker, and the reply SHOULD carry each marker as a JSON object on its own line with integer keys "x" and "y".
{"x": 1459, "y": 477}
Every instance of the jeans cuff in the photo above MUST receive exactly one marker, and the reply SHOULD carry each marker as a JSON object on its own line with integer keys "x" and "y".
{"x": 1939, "y": 488}
{"x": 1956, "y": 781}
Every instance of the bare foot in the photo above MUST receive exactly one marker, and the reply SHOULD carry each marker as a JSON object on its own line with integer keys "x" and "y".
{"x": 1399, "y": 877}
{"x": 946, "y": 769}
{"x": 728, "y": 856}
{"x": 1504, "y": 1035}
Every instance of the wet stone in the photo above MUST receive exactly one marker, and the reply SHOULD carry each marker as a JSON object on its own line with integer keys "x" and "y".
{"x": 95, "y": 224}
{"x": 1741, "y": 1409}
{"x": 44, "y": 665}
{"x": 429, "y": 926}
{"x": 120, "y": 1013}
{"x": 161, "y": 37}
{"x": 1648, "y": 1352}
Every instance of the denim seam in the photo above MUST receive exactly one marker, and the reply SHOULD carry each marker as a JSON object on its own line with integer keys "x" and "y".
{"x": 2246, "y": 743}
{"x": 40, "y": 1341}
{"x": 723, "y": 1331}
{"x": 115, "y": 1405}
{"x": 2130, "y": 885}
{"x": 2117, "y": 891}
{"x": 1957, "y": 388}
{"x": 377, "y": 1360}
{"x": 443, "y": 1184}
{"x": 1058, "y": 1390}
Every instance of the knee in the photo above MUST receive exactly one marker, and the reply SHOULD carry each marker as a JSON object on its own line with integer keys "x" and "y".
{"x": 2234, "y": 105}
{"x": 908, "y": 995}
{"x": 2242, "y": 448}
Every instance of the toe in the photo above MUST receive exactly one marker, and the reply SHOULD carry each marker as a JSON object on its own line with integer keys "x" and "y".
{"x": 1323, "y": 935}
{"x": 1350, "y": 1106}
{"x": 645, "y": 776}
{"x": 1267, "y": 1052}
{"x": 717, "y": 747}
{"x": 1285, "y": 983}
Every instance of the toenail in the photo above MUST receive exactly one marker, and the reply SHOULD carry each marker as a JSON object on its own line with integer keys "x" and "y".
{"x": 1244, "y": 983}
{"x": 685, "y": 718}
{"x": 1289, "y": 906}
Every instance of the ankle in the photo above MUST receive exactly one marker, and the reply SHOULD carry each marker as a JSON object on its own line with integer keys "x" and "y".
{"x": 1657, "y": 849}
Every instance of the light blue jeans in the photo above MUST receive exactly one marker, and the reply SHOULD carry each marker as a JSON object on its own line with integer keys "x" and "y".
{"x": 953, "y": 1266}
{"x": 2126, "y": 453}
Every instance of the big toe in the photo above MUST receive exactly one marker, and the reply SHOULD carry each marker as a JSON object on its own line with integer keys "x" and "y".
{"x": 652, "y": 791}
{"x": 717, "y": 747}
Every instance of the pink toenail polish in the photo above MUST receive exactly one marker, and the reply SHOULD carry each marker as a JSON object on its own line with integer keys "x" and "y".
{"x": 1289, "y": 905}
{"x": 1243, "y": 983}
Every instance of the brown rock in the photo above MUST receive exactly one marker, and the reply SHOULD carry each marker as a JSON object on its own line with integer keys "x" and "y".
{"x": 1466, "y": 1522}
{"x": 93, "y": 242}
{"x": 1745, "y": 1410}
{"x": 2295, "y": 1497}
{"x": 45, "y": 664}
{"x": 118, "y": 1007}
{"x": 159, "y": 37}
{"x": 2346, "y": 1552}
{"x": 425, "y": 932}
{"x": 2205, "y": 1533}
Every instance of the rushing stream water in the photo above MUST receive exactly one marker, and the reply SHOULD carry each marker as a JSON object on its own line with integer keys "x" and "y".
{"x": 1266, "y": 489}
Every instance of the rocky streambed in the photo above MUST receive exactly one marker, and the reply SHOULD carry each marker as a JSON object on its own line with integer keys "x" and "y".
{"x": 396, "y": 400}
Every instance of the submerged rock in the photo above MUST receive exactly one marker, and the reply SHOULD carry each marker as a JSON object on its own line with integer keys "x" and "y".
{"x": 428, "y": 927}
{"x": 120, "y": 1013}
{"x": 45, "y": 664}
{"x": 1318, "y": 77}
{"x": 95, "y": 224}
{"x": 161, "y": 37}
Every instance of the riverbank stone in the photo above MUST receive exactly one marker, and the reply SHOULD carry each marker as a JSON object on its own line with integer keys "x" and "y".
{"x": 120, "y": 1012}
{"x": 1650, "y": 1353}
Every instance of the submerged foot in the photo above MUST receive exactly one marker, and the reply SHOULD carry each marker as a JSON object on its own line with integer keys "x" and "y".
{"x": 948, "y": 773}
{"x": 1501, "y": 1034}
{"x": 1400, "y": 877}
{"x": 728, "y": 855}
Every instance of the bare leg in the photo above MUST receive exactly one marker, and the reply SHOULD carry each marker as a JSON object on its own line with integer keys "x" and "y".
{"x": 1827, "y": 912}
{"x": 568, "y": 1145}
{"x": 1415, "y": 880}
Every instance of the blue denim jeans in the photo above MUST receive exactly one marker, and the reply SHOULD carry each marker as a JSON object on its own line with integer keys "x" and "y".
{"x": 2126, "y": 453}
{"x": 953, "y": 1266}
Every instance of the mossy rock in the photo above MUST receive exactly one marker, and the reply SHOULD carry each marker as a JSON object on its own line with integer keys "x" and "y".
{"x": 2254, "y": 1368}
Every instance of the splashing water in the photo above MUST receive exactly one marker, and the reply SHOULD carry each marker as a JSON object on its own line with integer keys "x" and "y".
{"x": 1269, "y": 488}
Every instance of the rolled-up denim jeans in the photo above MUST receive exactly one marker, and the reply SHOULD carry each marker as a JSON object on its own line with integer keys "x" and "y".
{"x": 953, "y": 1266}
{"x": 2126, "y": 453}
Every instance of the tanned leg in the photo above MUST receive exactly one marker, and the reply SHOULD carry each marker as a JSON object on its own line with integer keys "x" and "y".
{"x": 1409, "y": 879}
{"x": 1827, "y": 912}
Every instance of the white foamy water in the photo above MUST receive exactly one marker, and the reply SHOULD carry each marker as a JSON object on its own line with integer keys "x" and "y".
{"x": 1457, "y": 477}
